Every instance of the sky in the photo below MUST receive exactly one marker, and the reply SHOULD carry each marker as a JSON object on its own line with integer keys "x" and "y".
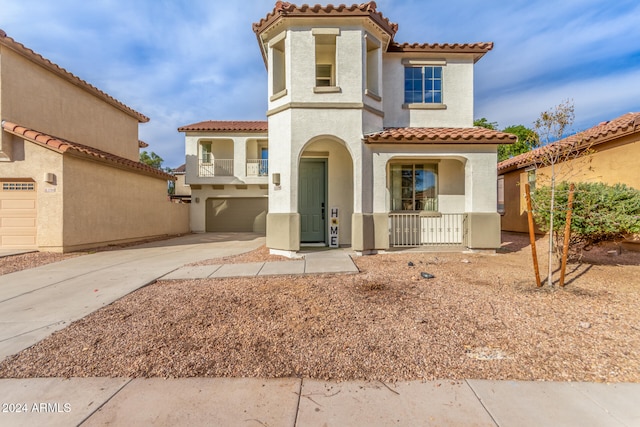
{"x": 184, "y": 61}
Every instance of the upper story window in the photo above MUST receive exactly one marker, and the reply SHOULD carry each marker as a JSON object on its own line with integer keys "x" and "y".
{"x": 423, "y": 85}
{"x": 325, "y": 59}
{"x": 372, "y": 68}
{"x": 278, "y": 66}
{"x": 205, "y": 152}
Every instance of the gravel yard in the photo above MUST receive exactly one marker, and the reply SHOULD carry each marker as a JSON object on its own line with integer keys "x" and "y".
{"x": 13, "y": 263}
{"x": 480, "y": 317}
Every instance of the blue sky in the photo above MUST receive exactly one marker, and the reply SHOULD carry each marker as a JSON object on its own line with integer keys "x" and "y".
{"x": 183, "y": 61}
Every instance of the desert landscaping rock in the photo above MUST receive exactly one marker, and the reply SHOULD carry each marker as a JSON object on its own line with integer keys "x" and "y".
{"x": 484, "y": 320}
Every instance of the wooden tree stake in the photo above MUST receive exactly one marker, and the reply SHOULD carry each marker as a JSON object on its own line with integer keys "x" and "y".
{"x": 567, "y": 233}
{"x": 532, "y": 234}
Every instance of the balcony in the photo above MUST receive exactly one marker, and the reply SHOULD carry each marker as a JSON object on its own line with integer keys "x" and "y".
{"x": 217, "y": 167}
{"x": 257, "y": 167}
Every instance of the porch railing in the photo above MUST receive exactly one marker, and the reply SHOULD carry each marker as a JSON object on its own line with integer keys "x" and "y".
{"x": 217, "y": 167}
{"x": 410, "y": 229}
{"x": 257, "y": 167}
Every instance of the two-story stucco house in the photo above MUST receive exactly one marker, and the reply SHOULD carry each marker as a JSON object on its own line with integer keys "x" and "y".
{"x": 371, "y": 142}
{"x": 70, "y": 178}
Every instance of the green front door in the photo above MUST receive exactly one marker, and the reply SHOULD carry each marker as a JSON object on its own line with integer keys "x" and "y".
{"x": 312, "y": 200}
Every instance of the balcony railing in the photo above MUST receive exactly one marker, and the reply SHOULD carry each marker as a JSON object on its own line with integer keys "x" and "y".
{"x": 217, "y": 167}
{"x": 257, "y": 167}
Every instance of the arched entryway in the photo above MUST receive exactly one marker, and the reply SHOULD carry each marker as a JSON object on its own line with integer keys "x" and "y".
{"x": 325, "y": 192}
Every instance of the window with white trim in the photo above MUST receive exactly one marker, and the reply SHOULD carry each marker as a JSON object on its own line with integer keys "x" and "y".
{"x": 423, "y": 84}
{"x": 205, "y": 152}
{"x": 372, "y": 67}
{"x": 325, "y": 57}
{"x": 279, "y": 67}
{"x": 414, "y": 186}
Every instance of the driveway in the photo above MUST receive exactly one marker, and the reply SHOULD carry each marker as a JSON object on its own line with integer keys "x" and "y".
{"x": 35, "y": 303}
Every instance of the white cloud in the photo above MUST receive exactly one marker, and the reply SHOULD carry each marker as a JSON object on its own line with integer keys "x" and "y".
{"x": 183, "y": 61}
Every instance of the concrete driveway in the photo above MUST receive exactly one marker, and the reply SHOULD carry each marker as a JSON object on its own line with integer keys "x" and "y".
{"x": 36, "y": 302}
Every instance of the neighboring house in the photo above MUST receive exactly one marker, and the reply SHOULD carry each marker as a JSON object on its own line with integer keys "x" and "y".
{"x": 69, "y": 171}
{"x": 371, "y": 142}
{"x": 181, "y": 190}
{"x": 612, "y": 157}
{"x": 227, "y": 170}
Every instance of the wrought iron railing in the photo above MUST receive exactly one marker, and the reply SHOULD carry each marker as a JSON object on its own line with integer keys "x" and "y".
{"x": 410, "y": 229}
{"x": 257, "y": 167}
{"x": 217, "y": 167}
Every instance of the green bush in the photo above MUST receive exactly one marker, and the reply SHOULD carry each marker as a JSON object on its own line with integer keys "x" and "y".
{"x": 600, "y": 212}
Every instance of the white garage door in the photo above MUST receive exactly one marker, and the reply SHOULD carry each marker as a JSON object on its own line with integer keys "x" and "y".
{"x": 18, "y": 215}
{"x": 237, "y": 214}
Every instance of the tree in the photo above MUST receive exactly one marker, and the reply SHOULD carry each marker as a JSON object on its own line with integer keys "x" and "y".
{"x": 484, "y": 123}
{"x": 551, "y": 126}
{"x": 527, "y": 141}
{"x": 151, "y": 159}
{"x": 526, "y": 138}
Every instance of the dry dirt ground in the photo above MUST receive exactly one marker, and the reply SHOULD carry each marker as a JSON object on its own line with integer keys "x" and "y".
{"x": 481, "y": 316}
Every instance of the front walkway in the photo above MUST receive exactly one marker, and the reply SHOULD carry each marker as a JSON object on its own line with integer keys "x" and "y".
{"x": 314, "y": 262}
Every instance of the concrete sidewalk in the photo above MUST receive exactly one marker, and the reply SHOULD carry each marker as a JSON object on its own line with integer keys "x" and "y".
{"x": 314, "y": 262}
{"x": 298, "y": 402}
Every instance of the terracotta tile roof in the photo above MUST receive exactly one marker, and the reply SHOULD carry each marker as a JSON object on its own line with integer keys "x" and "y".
{"x": 477, "y": 49}
{"x": 227, "y": 126}
{"x": 624, "y": 125}
{"x": 181, "y": 169}
{"x": 63, "y": 146}
{"x": 474, "y": 135}
{"x": 142, "y": 144}
{"x": 285, "y": 9}
{"x": 50, "y": 66}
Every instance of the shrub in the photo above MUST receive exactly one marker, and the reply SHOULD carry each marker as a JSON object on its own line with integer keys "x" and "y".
{"x": 600, "y": 212}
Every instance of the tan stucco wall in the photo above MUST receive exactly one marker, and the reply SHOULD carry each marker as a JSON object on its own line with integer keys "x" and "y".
{"x": 104, "y": 205}
{"x": 181, "y": 188}
{"x": 32, "y": 161}
{"x": 36, "y": 98}
{"x": 612, "y": 163}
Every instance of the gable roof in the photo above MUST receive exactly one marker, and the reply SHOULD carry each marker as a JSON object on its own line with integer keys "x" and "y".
{"x": 38, "y": 59}
{"x": 624, "y": 125}
{"x": 474, "y": 135}
{"x": 63, "y": 146}
{"x": 285, "y": 9}
{"x": 227, "y": 126}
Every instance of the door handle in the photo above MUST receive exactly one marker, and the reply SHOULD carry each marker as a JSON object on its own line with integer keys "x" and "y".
{"x": 322, "y": 204}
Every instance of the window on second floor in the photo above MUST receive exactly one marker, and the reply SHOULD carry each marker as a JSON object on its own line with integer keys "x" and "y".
{"x": 325, "y": 58}
{"x": 372, "y": 67}
{"x": 205, "y": 153}
{"x": 423, "y": 85}
{"x": 278, "y": 64}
